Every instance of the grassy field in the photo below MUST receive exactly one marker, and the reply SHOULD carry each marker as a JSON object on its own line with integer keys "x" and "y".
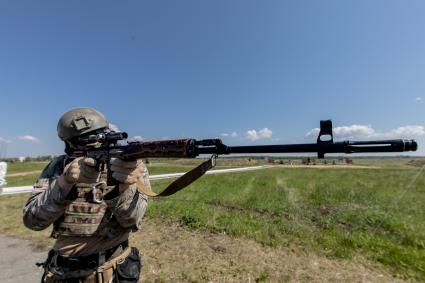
{"x": 340, "y": 213}
{"x": 25, "y": 167}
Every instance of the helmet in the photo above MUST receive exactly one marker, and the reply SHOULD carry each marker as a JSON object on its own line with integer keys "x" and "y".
{"x": 79, "y": 121}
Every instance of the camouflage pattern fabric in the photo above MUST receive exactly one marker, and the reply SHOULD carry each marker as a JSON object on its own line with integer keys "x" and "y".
{"x": 47, "y": 205}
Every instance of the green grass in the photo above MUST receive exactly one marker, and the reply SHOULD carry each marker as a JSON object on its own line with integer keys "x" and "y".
{"x": 164, "y": 168}
{"x": 23, "y": 180}
{"x": 11, "y": 221}
{"x": 392, "y": 162}
{"x": 340, "y": 213}
{"x": 25, "y": 167}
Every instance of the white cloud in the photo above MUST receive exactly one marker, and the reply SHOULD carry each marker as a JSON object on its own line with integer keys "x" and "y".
{"x": 367, "y": 132}
{"x": 264, "y": 133}
{"x": 136, "y": 139}
{"x": 114, "y": 127}
{"x": 406, "y": 131}
{"x": 313, "y": 133}
{"x": 252, "y": 135}
{"x": 418, "y": 98}
{"x": 232, "y": 134}
{"x": 4, "y": 140}
{"x": 29, "y": 138}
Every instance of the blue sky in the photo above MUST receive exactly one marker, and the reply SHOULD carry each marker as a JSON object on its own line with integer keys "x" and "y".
{"x": 264, "y": 71}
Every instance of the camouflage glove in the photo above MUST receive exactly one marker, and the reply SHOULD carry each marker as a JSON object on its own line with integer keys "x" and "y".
{"x": 81, "y": 170}
{"x": 126, "y": 172}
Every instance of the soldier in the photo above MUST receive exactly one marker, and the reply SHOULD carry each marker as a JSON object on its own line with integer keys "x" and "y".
{"x": 91, "y": 224}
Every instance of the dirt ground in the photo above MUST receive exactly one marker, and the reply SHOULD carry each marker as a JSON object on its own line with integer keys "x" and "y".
{"x": 172, "y": 253}
{"x": 23, "y": 173}
{"x": 17, "y": 261}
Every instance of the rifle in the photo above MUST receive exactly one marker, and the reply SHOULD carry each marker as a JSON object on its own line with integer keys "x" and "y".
{"x": 190, "y": 148}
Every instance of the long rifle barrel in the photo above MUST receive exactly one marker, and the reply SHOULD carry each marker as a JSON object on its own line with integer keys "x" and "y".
{"x": 320, "y": 148}
{"x": 325, "y": 144}
{"x": 187, "y": 148}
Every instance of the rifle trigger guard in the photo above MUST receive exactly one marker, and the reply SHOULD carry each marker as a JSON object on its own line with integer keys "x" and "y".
{"x": 94, "y": 191}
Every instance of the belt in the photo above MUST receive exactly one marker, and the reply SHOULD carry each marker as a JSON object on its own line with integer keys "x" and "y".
{"x": 90, "y": 261}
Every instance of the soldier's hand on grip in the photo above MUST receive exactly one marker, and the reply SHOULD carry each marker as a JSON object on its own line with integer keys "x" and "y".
{"x": 126, "y": 172}
{"x": 81, "y": 170}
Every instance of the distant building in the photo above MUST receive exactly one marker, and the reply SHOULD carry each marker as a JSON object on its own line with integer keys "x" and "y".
{"x": 22, "y": 159}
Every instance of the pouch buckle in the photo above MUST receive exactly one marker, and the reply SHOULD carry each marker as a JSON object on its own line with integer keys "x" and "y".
{"x": 95, "y": 190}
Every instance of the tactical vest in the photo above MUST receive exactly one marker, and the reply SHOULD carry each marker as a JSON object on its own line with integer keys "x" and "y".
{"x": 84, "y": 215}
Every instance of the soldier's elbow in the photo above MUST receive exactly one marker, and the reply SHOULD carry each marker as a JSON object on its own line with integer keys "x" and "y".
{"x": 31, "y": 223}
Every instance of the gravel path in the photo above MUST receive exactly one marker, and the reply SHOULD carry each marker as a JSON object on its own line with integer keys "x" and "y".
{"x": 17, "y": 261}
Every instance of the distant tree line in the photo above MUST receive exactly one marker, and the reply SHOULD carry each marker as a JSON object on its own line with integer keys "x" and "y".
{"x": 40, "y": 158}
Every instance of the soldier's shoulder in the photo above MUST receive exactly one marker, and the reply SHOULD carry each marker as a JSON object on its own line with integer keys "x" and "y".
{"x": 55, "y": 167}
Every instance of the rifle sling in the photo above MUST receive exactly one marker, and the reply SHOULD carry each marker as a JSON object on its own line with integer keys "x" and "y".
{"x": 181, "y": 182}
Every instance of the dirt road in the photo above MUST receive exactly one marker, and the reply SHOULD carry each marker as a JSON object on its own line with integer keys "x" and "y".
{"x": 23, "y": 173}
{"x": 17, "y": 261}
{"x": 172, "y": 253}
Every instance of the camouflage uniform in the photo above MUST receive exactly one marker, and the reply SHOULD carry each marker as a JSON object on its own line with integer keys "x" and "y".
{"x": 83, "y": 227}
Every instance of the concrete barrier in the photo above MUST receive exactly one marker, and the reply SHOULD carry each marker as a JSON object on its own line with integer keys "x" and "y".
{"x": 28, "y": 189}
